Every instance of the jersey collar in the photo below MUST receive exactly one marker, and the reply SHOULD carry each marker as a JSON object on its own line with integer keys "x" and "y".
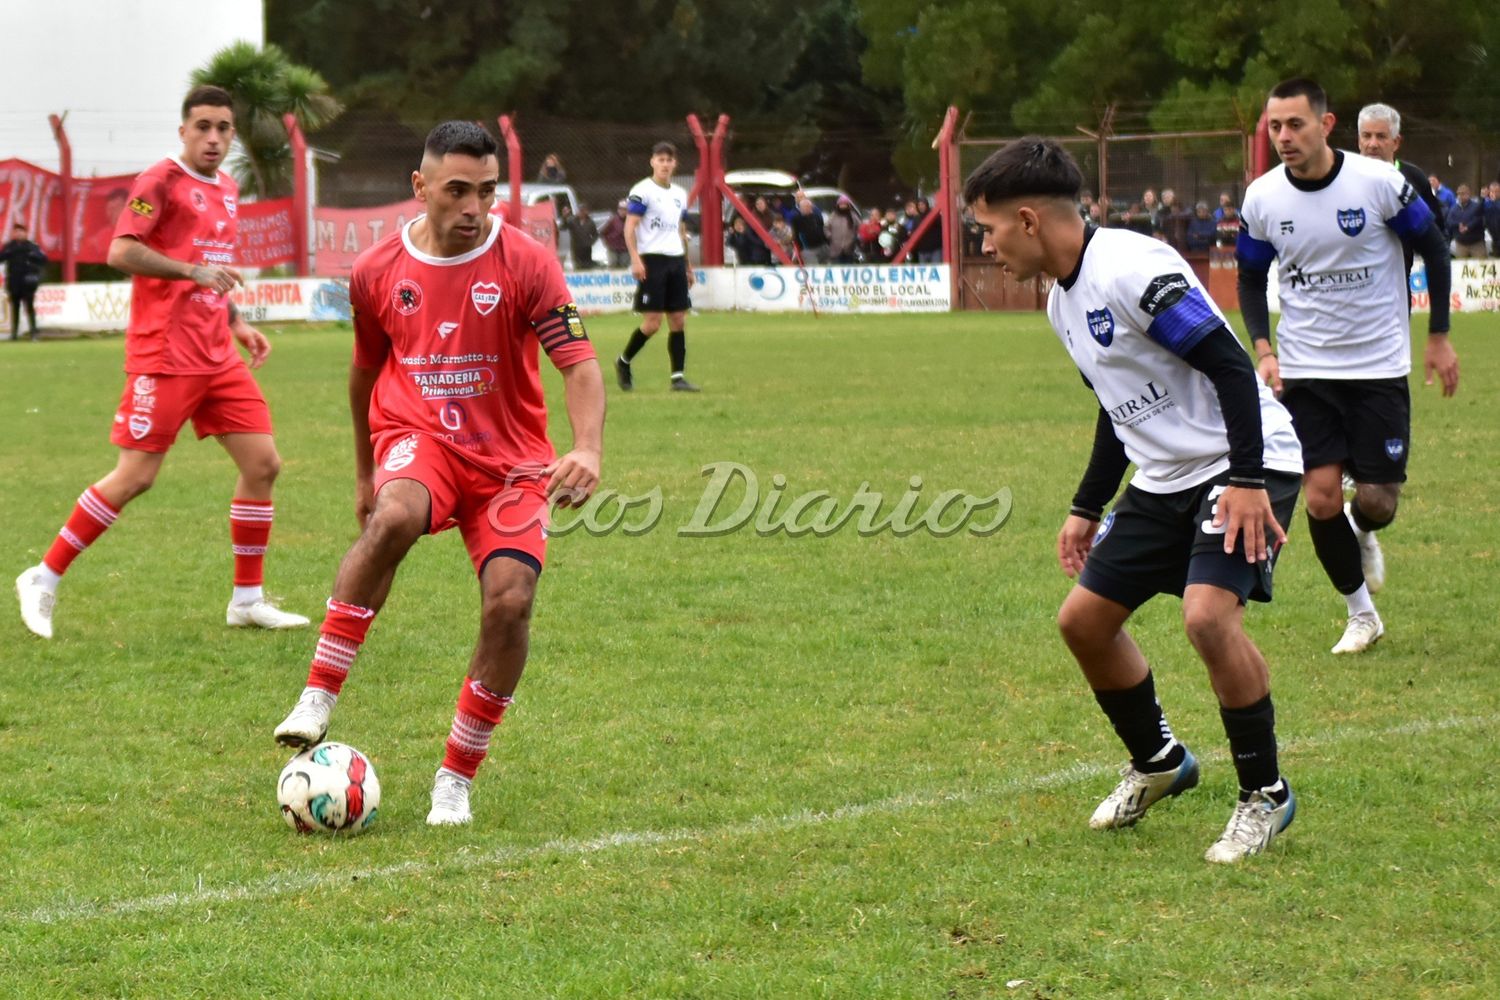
{"x": 462, "y": 258}
{"x": 214, "y": 180}
{"x": 1072, "y": 278}
{"x": 1321, "y": 182}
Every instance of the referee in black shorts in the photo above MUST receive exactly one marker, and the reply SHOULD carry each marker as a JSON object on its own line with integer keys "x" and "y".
{"x": 658, "y": 260}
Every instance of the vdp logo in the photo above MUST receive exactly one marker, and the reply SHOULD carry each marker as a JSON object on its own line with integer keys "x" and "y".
{"x": 1101, "y": 325}
{"x": 1351, "y": 221}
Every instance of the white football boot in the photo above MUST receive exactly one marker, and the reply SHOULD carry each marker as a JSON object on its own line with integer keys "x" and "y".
{"x": 1361, "y": 633}
{"x": 307, "y": 723}
{"x": 261, "y": 614}
{"x": 450, "y": 799}
{"x": 1253, "y": 825}
{"x": 37, "y": 600}
{"x": 1139, "y": 790}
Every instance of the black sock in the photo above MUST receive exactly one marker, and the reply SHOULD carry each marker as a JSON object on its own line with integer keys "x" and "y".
{"x": 1141, "y": 726}
{"x": 1363, "y": 521}
{"x": 637, "y": 341}
{"x": 677, "y": 350}
{"x": 1252, "y": 744}
{"x": 1338, "y": 550}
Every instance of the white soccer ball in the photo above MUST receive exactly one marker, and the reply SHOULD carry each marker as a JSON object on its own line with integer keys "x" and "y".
{"x": 330, "y": 787}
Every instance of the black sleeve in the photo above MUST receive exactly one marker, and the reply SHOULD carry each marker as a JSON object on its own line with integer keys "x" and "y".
{"x": 1220, "y": 357}
{"x": 1253, "y": 289}
{"x": 1107, "y": 464}
{"x": 1434, "y": 250}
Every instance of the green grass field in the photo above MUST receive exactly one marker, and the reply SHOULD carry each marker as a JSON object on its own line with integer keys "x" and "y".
{"x": 740, "y": 766}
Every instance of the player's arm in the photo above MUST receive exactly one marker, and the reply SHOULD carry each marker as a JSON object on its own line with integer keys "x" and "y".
{"x": 372, "y": 345}
{"x": 575, "y": 476}
{"x": 687, "y": 258}
{"x": 1101, "y": 481}
{"x": 129, "y": 254}
{"x": 635, "y": 208}
{"x": 1418, "y": 229}
{"x": 248, "y": 337}
{"x": 1254, "y": 257}
{"x": 1244, "y": 508}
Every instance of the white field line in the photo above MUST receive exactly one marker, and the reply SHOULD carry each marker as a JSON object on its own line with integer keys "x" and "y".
{"x": 278, "y": 885}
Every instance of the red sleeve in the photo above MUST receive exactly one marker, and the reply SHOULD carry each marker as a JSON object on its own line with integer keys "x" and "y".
{"x": 371, "y": 343}
{"x": 554, "y": 316}
{"x": 148, "y": 198}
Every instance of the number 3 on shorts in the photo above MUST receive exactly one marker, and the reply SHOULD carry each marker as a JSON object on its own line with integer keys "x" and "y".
{"x": 1208, "y": 527}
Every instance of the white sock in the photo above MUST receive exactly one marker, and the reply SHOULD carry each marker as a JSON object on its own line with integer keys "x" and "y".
{"x": 247, "y": 595}
{"x": 1359, "y": 602}
{"x": 47, "y": 578}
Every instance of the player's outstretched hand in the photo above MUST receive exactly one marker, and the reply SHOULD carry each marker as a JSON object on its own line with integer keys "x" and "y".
{"x": 220, "y": 279}
{"x": 573, "y": 478}
{"x": 253, "y": 341}
{"x": 1074, "y": 542}
{"x": 1270, "y": 373}
{"x": 1247, "y": 512}
{"x": 1440, "y": 357}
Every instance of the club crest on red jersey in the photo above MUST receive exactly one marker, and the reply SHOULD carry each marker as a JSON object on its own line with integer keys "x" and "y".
{"x": 199, "y": 201}
{"x": 486, "y": 296}
{"x": 229, "y": 205}
{"x": 406, "y": 297}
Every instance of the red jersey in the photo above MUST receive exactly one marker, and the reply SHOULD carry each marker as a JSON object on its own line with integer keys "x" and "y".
{"x": 176, "y": 327}
{"x": 456, "y": 338}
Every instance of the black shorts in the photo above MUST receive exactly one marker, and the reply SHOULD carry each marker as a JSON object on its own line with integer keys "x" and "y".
{"x": 1361, "y": 424}
{"x": 1155, "y": 543}
{"x": 666, "y": 287}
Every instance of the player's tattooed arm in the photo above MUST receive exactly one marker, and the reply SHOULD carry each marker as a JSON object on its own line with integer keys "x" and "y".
{"x": 128, "y": 254}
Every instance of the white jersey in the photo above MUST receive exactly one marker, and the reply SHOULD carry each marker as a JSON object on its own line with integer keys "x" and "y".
{"x": 1342, "y": 271}
{"x": 660, "y": 210}
{"x": 1127, "y": 317}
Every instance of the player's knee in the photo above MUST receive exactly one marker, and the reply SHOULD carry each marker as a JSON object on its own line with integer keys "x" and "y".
{"x": 1078, "y": 628}
{"x": 392, "y": 529}
{"x": 1374, "y": 507}
{"x": 1207, "y": 627}
{"x": 263, "y": 469}
{"x": 509, "y": 604}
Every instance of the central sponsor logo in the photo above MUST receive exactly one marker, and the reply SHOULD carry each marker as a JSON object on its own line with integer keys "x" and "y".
{"x": 452, "y": 415}
{"x": 1150, "y": 400}
{"x": 402, "y": 454}
{"x": 1351, "y": 221}
{"x": 1101, "y": 325}
{"x": 486, "y": 296}
{"x": 140, "y": 426}
{"x": 145, "y": 385}
{"x": 1329, "y": 280}
{"x": 443, "y": 329}
{"x": 406, "y": 297}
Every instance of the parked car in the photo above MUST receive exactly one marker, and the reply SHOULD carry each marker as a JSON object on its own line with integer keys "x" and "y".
{"x": 748, "y": 184}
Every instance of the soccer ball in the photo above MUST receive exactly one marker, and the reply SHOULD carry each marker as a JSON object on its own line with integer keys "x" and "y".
{"x": 330, "y": 787}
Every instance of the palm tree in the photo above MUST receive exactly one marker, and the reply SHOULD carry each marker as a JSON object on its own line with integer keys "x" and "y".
{"x": 266, "y": 84}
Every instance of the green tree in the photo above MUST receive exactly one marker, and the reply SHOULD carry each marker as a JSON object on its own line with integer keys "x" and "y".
{"x": 266, "y": 85}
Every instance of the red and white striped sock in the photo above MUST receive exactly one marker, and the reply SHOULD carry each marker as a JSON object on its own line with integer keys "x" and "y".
{"x": 249, "y": 531}
{"x": 91, "y": 516}
{"x": 479, "y": 712}
{"x": 343, "y": 632}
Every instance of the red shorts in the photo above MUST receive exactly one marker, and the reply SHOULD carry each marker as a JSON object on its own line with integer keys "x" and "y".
{"x": 153, "y": 408}
{"x": 495, "y": 516}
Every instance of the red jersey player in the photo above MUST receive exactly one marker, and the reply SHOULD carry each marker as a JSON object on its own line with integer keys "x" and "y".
{"x": 451, "y": 429}
{"x": 176, "y": 236}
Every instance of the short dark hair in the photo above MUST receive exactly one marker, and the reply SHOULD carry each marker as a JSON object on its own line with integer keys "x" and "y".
{"x": 1028, "y": 167}
{"x": 206, "y": 95}
{"x": 464, "y": 138}
{"x": 1301, "y": 86}
{"x": 664, "y": 147}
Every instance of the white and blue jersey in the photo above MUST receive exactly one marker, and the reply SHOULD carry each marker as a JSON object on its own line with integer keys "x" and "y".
{"x": 1341, "y": 265}
{"x": 660, "y": 210}
{"x": 1128, "y": 316}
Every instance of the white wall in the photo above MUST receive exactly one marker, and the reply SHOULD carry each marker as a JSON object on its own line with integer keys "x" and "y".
{"x": 119, "y": 68}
